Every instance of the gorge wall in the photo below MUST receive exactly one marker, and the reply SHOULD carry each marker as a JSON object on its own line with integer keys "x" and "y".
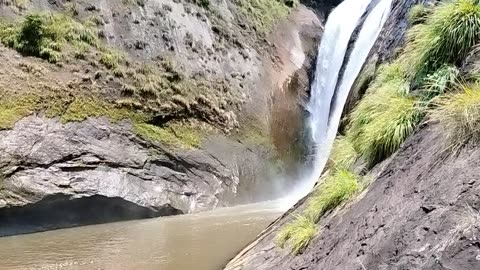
{"x": 419, "y": 210}
{"x": 54, "y": 170}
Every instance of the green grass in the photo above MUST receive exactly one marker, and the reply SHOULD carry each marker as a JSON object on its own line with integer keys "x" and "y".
{"x": 15, "y": 109}
{"x": 111, "y": 59}
{"x": 343, "y": 153}
{"x": 177, "y": 134}
{"x": 440, "y": 81}
{"x": 459, "y": 114}
{"x": 263, "y": 14}
{"x": 45, "y": 35}
{"x": 417, "y": 14}
{"x": 385, "y": 116}
{"x": 338, "y": 186}
{"x": 84, "y": 107}
{"x": 382, "y": 122}
{"x": 447, "y": 35}
{"x": 298, "y": 234}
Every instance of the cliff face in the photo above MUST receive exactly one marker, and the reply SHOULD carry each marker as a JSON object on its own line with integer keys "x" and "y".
{"x": 419, "y": 213}
{"x": 420, "y": 210}
{"x": 69, "y": 156}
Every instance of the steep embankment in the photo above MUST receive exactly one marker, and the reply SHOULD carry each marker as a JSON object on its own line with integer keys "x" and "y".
{"x": 141, "y": 108}
{"x": 417, "y": 214}
{"x": 419, "y": 208}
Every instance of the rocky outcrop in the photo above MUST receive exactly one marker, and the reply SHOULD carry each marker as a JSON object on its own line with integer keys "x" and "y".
{"x": 43, "y": 159}
{"x": 421, "y": 212}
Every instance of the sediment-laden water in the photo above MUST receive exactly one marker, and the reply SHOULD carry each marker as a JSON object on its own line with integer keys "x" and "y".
{"x": 203, "y": 241}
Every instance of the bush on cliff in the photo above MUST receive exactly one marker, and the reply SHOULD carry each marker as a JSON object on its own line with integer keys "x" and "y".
{"x": 439, "y": 82}
{"x": 299, "y": 233}
{"x": 385, "y": 117}
{"x": 44, "y": 35}
{"x": 459, "y": 114}
{"x": 447, "y": 35}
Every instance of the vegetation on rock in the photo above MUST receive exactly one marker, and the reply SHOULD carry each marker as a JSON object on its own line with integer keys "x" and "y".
{"x": 446, "y": 37}
{"x": 45, "y": 35}
{"x": 421, "y": 78}
{"x": 459, "y": 114}
{"x": 264, "y": 13}
{"x": 338, "y": 186}
{"x": 417, "y": 14}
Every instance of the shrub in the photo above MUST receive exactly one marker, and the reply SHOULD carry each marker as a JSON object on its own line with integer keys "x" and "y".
{"x": 298, "y": 233}
{"x": 446, "y": 37}
{"x": 110, "y": 59}
{"x": 44, "y": 35}
{"x": 385, "y": 117}
{"x": 459, "y": 114}
{"x": 417, "y": 14}
{"x": 263, "y": 13}
{"x": 384, "y": 125}
{"x": 177, "y": 134}
{"x": 336, "y": 188}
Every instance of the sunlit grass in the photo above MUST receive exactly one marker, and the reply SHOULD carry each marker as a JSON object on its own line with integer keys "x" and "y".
{"x": 343, "y": 153}
{"x": 459, "y": 114}
{"x": 45, "y": 35}
{"x": 298, "y": 234}
{"x": 447, "y": 35}
{"x": 338, "y": 186}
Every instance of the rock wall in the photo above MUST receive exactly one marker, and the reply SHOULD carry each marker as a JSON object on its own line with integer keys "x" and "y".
{"x": 421, "y": 212}
{"x": 55, "y": 174}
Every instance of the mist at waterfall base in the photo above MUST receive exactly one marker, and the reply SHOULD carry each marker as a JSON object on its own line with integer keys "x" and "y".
{"x": 329, "y": 92}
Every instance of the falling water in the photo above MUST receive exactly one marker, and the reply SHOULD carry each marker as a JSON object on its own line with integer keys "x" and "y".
{"x": 328, "y": 96}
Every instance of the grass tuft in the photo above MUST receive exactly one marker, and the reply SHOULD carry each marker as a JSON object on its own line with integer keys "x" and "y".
{"x": 343, "y": 153}
{"x": 440, "y": 81}
{"x": 176, "y": 134}
{"x": 111, "y": 59}
{"x": 447, "y": 35}
{"x": 385, "y": 117}
{"x": 264, "y": 13}
{"x": 459, "y": 114}
{"x": 338, "y": 187}
{"x": 417, "y": 14}
{"x": 298, "y": 233}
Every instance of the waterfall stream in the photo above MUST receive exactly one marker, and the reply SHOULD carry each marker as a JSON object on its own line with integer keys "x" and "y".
{"x": 329, "y": 92}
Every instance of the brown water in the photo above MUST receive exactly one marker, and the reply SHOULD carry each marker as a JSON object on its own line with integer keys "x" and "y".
{"x": 203, "y": 241}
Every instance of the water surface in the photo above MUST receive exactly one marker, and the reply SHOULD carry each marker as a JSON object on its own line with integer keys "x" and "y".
{"x": 204, "y": 241}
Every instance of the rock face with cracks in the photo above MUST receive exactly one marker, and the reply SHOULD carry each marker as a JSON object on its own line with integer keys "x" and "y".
{"x": 42, "y": 160}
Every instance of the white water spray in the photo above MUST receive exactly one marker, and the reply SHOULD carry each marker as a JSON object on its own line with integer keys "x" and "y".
{"x": 327, "y": 97}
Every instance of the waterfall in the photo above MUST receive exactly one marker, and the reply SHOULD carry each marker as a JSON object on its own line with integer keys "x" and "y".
{"x": 328, "y": 92}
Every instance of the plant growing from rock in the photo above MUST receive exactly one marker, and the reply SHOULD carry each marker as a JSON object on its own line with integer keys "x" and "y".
{"x": 447, "y": 35}
{"x": 338, "y": 186}
{"x": 459, "y": 114}
{"x": 45, "y": 35}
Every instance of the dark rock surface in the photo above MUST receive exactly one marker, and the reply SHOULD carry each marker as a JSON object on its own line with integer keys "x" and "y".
{"x": 42, "y": 160}
{"x": 421, "y": 212}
